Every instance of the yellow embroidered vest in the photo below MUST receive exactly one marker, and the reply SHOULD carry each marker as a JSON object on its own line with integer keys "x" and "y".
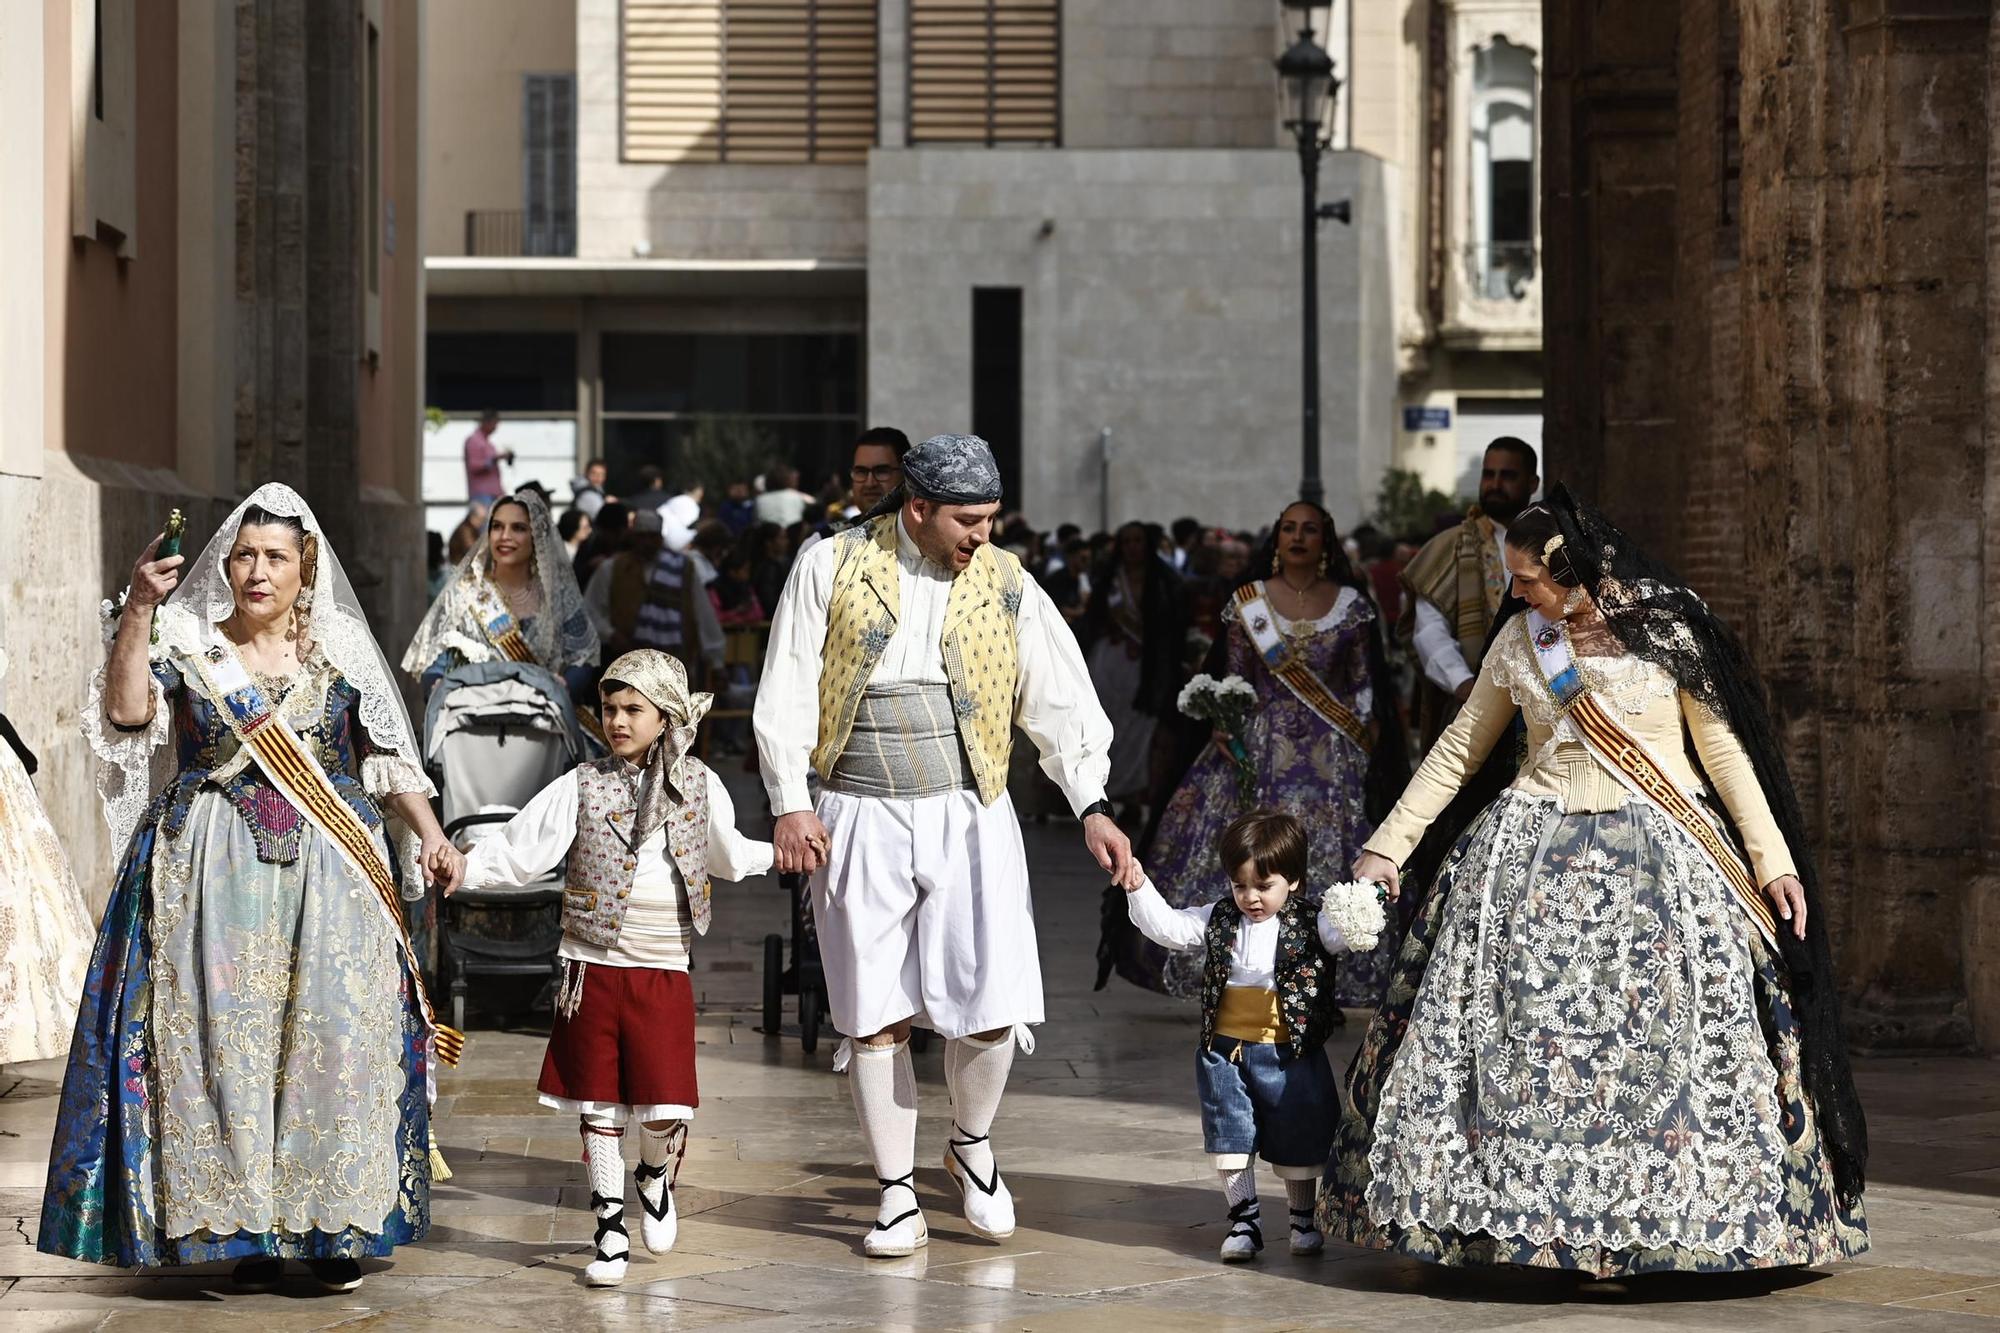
{"x": 980, "y": 649}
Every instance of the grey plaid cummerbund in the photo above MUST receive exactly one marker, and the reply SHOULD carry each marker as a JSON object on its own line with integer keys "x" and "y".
{"x": 904, "y": 744}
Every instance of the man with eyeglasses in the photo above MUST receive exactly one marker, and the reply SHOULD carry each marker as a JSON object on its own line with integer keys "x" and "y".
{"x": 877, "y": 469}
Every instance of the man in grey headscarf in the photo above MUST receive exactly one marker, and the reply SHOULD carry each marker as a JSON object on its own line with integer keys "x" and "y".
{"x": 904, "y": 652}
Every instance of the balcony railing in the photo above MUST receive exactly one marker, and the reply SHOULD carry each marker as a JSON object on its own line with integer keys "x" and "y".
{"x": 507, "y": 232}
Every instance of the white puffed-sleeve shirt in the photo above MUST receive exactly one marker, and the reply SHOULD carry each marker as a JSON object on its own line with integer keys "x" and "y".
{"x": 1055, "y": 703}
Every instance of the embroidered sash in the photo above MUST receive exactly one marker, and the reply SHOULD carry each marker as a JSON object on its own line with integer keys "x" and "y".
{"x": 497, "y": 622}
{"x": 1626, "y": 757}
{"x": 1261, "y": 622}
{"x": 292, "y": 769}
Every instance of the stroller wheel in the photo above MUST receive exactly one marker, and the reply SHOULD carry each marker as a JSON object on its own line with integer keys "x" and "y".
{"x": 808, "y": 1019}
{"x": 774, "y": 984}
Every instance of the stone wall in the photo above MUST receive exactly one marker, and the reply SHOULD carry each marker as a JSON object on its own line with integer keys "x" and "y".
{"x": 1797, "y": 407}
{"x": 1161, "y": 297}
{"x": 1169, "y": 74}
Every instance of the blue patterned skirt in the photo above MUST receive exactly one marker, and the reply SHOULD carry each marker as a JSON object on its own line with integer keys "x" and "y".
{"x": 1586, "y": 1059}
{"x": 103, "y": 1201}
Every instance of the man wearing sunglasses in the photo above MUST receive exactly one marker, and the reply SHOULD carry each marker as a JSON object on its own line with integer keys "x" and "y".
{"x": 877, "y": 469}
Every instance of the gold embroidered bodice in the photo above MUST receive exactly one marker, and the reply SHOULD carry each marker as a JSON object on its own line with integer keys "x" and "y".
{"x": 1644, "y": 699}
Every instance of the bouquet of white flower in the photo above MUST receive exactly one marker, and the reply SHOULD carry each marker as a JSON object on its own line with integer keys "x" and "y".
{"x": 1226, "y": 705}
{"x": 1354, "y": 908}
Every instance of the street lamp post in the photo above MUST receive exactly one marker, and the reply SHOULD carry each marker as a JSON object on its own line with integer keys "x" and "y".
{"x": 1306, "y": 72}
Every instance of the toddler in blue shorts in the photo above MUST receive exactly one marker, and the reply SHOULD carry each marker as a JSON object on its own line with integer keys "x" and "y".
{"x": 1267, "y": 1007}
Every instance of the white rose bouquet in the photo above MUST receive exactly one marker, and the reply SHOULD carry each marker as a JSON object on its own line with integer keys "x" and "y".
{"x": 1354, "y": 908}
{"x": 1226, "y": 705}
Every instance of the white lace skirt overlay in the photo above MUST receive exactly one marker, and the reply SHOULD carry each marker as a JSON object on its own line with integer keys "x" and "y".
{"x": 1584, "y": 1061}
{"x": 45, "y": 933}
{"x": 276, "y": 1035}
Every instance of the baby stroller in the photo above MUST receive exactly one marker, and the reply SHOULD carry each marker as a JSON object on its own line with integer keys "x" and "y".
{"x": 495, "y": 734}
{"x": 804, "y": 978}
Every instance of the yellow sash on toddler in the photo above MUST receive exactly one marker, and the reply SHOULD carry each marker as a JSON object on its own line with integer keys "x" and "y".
{"x": 1250, "y": 1013}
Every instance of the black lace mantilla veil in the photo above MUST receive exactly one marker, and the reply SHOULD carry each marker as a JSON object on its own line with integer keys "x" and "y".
{"x": 1658, "y": 618}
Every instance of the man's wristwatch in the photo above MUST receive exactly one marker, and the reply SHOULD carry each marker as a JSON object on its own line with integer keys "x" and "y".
{"x": 1104, "y": 808}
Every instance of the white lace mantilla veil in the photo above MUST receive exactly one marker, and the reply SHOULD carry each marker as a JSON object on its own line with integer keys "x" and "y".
{"x": 132, "y": 766}
{"x": 561, "y": 634}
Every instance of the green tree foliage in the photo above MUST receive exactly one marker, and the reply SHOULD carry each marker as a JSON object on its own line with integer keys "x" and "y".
{"x": 1405, "y": 507}
{"x": 720, "y": 450}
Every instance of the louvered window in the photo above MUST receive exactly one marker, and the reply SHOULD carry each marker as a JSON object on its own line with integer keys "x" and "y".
{"x": 749, "y": 80}
{"x": 985, "y": 71}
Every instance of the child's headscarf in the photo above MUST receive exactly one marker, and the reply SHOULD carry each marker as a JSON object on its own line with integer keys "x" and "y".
{"x": 663, "y": 680}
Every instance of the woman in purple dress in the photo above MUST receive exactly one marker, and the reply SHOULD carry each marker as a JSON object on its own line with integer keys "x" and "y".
{"x": 1324, "y": 742}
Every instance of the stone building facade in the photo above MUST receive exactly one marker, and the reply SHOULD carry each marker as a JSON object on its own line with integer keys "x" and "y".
{"x": 1773, "y": 309}
{"x": 1111, "y": 246}
{"x": 209, "y": 286}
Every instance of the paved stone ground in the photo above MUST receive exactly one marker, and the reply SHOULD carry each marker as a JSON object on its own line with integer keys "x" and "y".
{"x": 1100, "y": 1139}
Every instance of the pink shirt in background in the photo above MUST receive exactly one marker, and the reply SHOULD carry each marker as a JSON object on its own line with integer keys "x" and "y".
{"x": 482, "y": 466}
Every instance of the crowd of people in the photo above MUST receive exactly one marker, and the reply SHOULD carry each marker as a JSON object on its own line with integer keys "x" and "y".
{"x": 1604, "y": 1035}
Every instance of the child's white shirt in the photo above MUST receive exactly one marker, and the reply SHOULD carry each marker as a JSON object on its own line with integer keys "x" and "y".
{"x": 657, "y": 930}
{"x": 1253, "y": 959}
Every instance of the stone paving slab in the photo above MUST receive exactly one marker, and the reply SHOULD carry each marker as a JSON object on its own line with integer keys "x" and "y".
{"x": 1101, "y": 1140}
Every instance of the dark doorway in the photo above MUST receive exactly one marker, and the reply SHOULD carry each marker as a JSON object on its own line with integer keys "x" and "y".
{"x": 996, "y": 380}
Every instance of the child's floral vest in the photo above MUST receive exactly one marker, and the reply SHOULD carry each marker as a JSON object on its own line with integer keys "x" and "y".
{"x": 601, "y": 863}
{"x": 1304, "y": 972}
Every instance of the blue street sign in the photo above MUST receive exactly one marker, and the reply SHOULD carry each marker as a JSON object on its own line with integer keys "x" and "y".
{"x": 1426, "y": 418}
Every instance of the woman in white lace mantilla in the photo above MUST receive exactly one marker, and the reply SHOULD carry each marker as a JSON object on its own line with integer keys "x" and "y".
{"x": 248, "y": 1079}
{"x": 1610, "y": 1041}
{"x": 517, "y": 581}
{"x": 44, "y": 927}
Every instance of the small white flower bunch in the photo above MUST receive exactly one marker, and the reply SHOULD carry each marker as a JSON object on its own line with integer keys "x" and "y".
{"x": 108, "y": 612}
{"x": 1213, "y": 700}
{"x": 1195, "y": 689}
{"x": 1354, "y": 908}
{"x": 1227, "y": 705}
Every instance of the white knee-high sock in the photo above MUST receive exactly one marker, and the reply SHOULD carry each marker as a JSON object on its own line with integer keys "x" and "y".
{"x": 662, "y": 1147}
{"x": 657, "y": 1147}
{"x": 1301, "y": 1195}
{"x": 1240, "y": 1186}
{"x": 884, "y": 1082}
{"x": 601, "y": 1153}
{"x": 976, "y": 1072}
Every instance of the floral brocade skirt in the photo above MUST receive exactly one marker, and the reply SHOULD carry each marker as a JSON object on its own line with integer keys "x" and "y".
{"x": 1586, "y": 1059}
{"x": 1304, "y": 769}
{"x": 248, "y": 1072}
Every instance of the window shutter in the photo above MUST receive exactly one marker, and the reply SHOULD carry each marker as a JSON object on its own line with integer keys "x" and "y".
{"x": 673, "y": 81}
{"x": 985, "y": 71}
{"x": 749, "y": 80}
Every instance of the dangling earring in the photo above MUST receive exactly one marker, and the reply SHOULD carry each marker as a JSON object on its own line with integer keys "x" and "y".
{"x": 301, "y": 614}
{"x": 1322, "y": 564}
{"x": 1277, "y": 566}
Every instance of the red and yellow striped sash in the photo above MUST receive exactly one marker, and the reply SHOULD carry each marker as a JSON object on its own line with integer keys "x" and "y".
{"x": 1632, "y": 762}
{"x": 1296, "y": 676}
{"x": 499, "y": 625}
{"x": 298, "y": 777}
